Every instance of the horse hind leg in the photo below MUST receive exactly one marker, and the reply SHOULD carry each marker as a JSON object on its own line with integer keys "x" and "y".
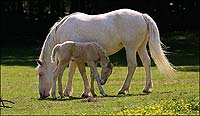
{"x": 81, "y": 67}
{"x": 146, "y": 61}
{"x": 132, "y": 64}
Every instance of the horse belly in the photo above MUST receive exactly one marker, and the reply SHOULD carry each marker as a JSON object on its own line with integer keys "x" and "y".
{"x": 102, "y": 32}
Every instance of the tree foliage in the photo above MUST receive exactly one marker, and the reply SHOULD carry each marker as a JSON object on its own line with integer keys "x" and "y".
{"x": 35, "y": 17}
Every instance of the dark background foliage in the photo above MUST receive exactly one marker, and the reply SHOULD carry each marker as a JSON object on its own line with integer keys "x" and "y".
{"x": 30, "y": 20}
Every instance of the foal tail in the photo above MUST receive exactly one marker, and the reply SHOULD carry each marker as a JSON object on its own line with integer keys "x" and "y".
{"x": 157, "y": 53}
{"x": 54, "y": 59}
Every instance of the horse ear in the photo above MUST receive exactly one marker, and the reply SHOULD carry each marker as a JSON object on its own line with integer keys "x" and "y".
{"x": 39, "y": 62}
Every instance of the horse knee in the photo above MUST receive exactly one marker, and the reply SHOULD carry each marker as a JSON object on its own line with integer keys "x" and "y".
{"x": 148, "y": 60}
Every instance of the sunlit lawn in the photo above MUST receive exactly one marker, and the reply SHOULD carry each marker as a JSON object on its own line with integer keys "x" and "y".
{"x": 20, "y": 85}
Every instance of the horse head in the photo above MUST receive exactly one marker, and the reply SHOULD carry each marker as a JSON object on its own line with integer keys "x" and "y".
{"x": 45, "y": 78}
{"x": 106, "y": 72}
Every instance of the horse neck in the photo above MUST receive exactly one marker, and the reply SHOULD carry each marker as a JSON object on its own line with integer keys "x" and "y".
{"x": 48, "y": 45}
{"x": 104, "y": 60}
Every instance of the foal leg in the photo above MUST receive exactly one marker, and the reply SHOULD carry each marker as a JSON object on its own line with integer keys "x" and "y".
{"x": 60, "y": 91}
{"x": 132, "y": 64}
{"x": 146, "y": 61}
{"x": 92, "y": 84}
{"x": 81, "y": 67}
{"x": 57, "y": 74}
{"x": 71, "y": 71}
{"x": 53, "y": 89}
{"x": 96, "y": 75}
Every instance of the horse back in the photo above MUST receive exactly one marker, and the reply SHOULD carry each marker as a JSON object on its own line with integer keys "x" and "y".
{"x": 110, "y": 30}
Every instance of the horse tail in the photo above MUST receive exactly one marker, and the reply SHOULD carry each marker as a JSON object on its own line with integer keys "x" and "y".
{"x": 54, "y": 59}
{"x": 156, "y": 51}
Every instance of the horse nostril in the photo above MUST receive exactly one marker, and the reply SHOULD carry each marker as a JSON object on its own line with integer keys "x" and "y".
{"x": 102, "y": 82}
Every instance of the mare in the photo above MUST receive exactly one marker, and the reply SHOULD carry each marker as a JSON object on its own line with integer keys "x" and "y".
{"x": 113, "y": 31}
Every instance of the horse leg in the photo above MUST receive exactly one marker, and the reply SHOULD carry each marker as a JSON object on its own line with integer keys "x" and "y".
{"x": 71, "y": 71}
{"x": 81, "y": 67}
{"x": 53, "y": 89}
{"x": 146, "y": 61}
{"x": 61, "y": 70}
{"x": 132, "y": 64}
{"x": 57, "y": 74}
{"x": 92, "y": 84}
{"x": 96, "y": 75}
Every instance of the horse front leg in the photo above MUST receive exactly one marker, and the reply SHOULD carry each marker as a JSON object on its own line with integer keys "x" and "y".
{"x": 132, "y": 64}
{"x": 61, "y": 70}
{"x": 81, "y": 67}
{"x": 53, "y": 89}
{"x": 68, "y": 88}
{"x": 96, "y": 75}
{"x": 92, "y": 84}
{"x": 57, "y": 74}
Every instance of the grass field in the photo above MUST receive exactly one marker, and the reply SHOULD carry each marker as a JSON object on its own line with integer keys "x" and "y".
{"x": 19, "y": 84}
{"x": 174, "y": 95}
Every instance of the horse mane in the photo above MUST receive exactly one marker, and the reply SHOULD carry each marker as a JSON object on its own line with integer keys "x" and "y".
{"x": 50, "y": 39}
{"x": 61, "y": 21}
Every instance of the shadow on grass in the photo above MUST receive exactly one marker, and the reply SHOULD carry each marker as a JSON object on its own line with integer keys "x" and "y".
{"x": 92, "y": 99}
{"x": 19, "y": 56}
{"x": 128, "y": 95}
{"x": 189, "y": 69}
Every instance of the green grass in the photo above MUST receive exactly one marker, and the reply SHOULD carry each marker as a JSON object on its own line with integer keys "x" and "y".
{"x": 20, "y": 85}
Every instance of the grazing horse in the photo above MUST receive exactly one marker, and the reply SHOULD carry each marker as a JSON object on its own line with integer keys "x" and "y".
{"x": 81, "y": 53}
{"x": 113, "y": 31}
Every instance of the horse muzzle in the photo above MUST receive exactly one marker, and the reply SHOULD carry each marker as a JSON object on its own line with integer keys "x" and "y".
{"x": 43, "y": 95}
{"x": 103, "y": 82}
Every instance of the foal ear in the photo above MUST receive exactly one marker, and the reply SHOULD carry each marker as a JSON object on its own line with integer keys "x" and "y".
{"x": 39, "y": 62}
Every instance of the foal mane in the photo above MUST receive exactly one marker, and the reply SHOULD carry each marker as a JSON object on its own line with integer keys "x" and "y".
{"x": 104, "y": 58}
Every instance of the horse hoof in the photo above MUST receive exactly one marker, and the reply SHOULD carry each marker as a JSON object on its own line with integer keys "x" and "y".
{"x": 61, "y": 97}
{"x": 94, "y": 95}
{"x": 71, "y": 97}
{"x": 54, "y": 98}
{"x": 146, "y": 91}
{"x": 105, "y": 95}
{"x": 121, "y": 93}
{"x": 84, "y": 95}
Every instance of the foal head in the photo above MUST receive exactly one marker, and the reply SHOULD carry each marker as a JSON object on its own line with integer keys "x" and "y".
{"x": 105, "y": 63}
{"x": 45, "y": 79}
{"x": 106, "y": 72}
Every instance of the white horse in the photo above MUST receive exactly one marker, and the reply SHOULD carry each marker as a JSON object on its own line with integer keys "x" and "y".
{"x": 81, "y": 53}
{"x": 113, "y": 31}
